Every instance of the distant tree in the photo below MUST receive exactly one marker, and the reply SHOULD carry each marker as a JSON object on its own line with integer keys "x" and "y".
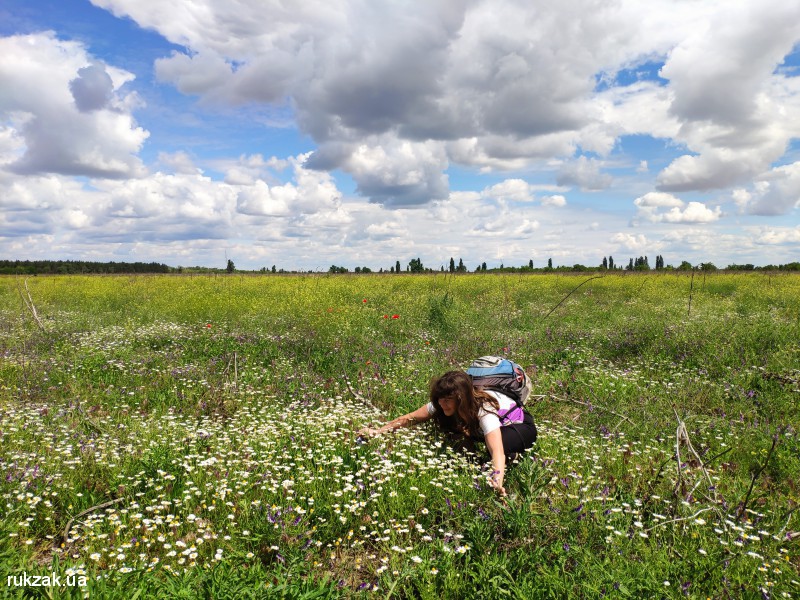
{"x": 273, "y": 268}
{"x": 461, "y": 268}
{"x": 452, "y": 265}
{"x": 630, "y": 265}
{"x": 335, "y": 269}
{"x": 397, "y": 267}
{"x": 358, "y": 269}
{"x": 231, "y": 267}
{"x": 391, "y": 270}
{"x": 685, "y": 266}
{"x": 610, "y": 262}
{"x": 708, "y": 266}
{"x": 530, "y": 264}
{"x": 415, "y": 266}
{"x": 605, "y": 262}
{"x": 483, "y": 266}
{"x": 549, "y": 263}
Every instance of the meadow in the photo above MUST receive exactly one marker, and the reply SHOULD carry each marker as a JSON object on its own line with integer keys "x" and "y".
{"x": 195, "y": 437}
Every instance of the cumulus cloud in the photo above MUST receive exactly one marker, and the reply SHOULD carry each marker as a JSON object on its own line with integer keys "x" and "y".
{"x": 92, "y": 89}
{"x": 515, "y": 190}
{"x": 490, "y": 86}
{"x": 649, "y": 205}
{"x": 774, "y": 193}
{"x": 728, "y": 97}
{"x": 585, "y": 174}
{"x": 633, "y": 243}
{"x": 658, "y": 200}
{"x": 554, "y": 200}
{"x": 399, "y": 173}
{"x": 772, "y": 236}
{"x": 71, "y": 118}
{"x": 311, "y": 192}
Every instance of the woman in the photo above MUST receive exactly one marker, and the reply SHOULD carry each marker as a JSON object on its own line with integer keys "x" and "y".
{"x": 458, "y": 407}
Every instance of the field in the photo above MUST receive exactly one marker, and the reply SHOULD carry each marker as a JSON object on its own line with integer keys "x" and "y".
{"x": 187, "y": 437}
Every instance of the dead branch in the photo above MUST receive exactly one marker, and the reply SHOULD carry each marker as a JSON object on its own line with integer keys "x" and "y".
{"x": 570, "y": 294}
{"x": 590, "y": 405}
{"x": 27, "y": 300}
{"x": 86, "y": 512}
{"x": 682, "y": 437}
{"x": 662, "y": 523}
{"x": 756, "y": 475}
{"x": 359, "y": 397}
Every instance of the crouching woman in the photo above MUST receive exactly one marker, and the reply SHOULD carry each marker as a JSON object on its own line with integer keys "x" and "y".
{"x": 477, "y": 414}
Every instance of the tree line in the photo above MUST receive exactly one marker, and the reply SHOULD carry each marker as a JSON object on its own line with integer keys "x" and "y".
{"x": 641, "y": 263}
{"x": 76, "y": 267}
{"x": 415, "y": 265}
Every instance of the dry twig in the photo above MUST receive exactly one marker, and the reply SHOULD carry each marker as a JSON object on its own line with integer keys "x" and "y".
{"x": 682, "y": 438}
{"x": 28, "y": 301}
{"x": 570, "y": 294}
{"x": 590, "y": 405}
{"x": 86, "y": 512}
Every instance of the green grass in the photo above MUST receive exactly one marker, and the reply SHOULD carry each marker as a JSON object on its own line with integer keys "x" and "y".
{"x": 214, "y": 412}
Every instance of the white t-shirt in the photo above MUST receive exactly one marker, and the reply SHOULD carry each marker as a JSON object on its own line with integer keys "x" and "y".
{"x": 509, "y": 412}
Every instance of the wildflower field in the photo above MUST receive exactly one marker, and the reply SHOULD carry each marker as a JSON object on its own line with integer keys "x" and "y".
{"x": 195, "y": 437}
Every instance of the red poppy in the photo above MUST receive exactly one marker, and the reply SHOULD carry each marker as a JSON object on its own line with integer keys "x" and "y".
{"x": 395, "y": 316}
{"x": 208, "y": 325}
{"x": 385, "y": 316}
{"x": 364, "y": 301}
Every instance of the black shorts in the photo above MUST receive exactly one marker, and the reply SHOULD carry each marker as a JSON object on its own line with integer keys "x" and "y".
{"x": 518, "y": 437}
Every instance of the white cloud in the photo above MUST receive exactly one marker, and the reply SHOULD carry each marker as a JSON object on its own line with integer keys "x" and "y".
{"x": 695, "y": 212}
{"x": 772, "y": 236}
{"x": 649, "y": 205}
{"x": 262, "y": 200}
{"x": 584, "y": 173}
{"x": 633, "y": 243}
{"x": 397, "y": 173}
{"x": 554, "y": 200}
{"x": 514, "y": 190}
{"x": 658, "y": 200}
{"x": 776, "y": 192}
{"x": 488, "y": 85}
{"x": 75, "y": 120}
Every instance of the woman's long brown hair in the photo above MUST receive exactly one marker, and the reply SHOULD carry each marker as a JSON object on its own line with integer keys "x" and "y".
{"x": 458, "y": 385}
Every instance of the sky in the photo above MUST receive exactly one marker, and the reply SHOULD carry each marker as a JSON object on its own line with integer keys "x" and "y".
{"x": 312, "y": 133}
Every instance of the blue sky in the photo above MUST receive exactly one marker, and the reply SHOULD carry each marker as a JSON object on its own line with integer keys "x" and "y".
{"x": 359, "y": 133}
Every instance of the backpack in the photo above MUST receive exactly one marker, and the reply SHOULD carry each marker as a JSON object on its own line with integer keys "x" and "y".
{"x": 501, "y": 375}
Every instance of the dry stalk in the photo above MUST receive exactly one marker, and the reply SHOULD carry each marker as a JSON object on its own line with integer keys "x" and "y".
{"x": 86, "y": 512}
{"x": 589, "y": 405}
{"x": 756, "y": 475}
{"x": 28, "y": 302}
{"x": 682, "y": 437}
{"x": 359, "y": 397}
{"x": 662, "y": 523}
{"x": 570, "y": 294}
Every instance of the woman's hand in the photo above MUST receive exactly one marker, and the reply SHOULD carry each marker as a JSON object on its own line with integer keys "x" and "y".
{"x": 418, "y": 416}
{"x": 496, "y": 481}
{"x": 494, "y": 443}
{"x": 368, "y": 432}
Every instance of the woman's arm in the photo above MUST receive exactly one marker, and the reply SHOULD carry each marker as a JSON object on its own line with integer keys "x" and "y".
{"x": 494, "y": 442}
{"x": 418, "y": 416}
